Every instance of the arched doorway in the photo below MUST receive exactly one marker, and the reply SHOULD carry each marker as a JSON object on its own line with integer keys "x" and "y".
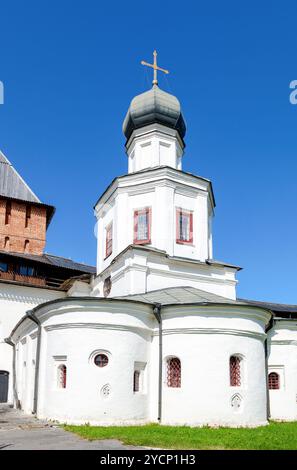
{"x": 4, "y": 376}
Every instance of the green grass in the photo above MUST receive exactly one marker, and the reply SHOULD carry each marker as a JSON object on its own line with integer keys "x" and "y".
{"x": 274, "y": 436}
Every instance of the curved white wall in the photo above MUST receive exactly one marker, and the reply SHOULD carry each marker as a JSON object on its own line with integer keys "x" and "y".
{"x": 204, "y": 339}
{"x": 283, "y": 361}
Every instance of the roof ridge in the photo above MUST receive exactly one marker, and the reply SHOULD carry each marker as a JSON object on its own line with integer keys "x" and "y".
{"x": 12, "y": 184}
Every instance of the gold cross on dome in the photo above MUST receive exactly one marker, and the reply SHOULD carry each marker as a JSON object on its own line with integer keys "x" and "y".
{"x": 155, "y": 67}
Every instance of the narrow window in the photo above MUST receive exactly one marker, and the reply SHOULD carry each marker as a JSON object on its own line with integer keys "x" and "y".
{"x": 142, "y": 226}
{"x": 136, "y": 381}
{"x": 184, "y": 226}
{"x": 108, "y": 240}
{"x": 6, "y": 243}
{"x": 7, "y": 212}
{"x": 273, "y": 381}
{"x": 26, "y": 246}
{"x": 173, "y": 372}
{"x": 28, "y": 216}
{"x": 235, "y": 371}
{"x": 62, "y": 376}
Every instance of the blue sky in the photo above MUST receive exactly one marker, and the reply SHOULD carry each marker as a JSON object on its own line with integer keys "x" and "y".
{"x": 70, "y": 70}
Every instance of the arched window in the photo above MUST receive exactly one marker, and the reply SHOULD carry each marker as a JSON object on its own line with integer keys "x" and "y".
{"x": 136, "y": 381}
{"x": 235, "y": 371}
{"x": 173, "y": 372}
{"x": 62, "y": 376}
{"x": 273, "y": 381}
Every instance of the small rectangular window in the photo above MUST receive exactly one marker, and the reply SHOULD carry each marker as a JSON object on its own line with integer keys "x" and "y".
{"x": 26, "y": 270}
{"x": 136, "y": 381}
{"x": 139, "y": 377}
{"x": 7, "y": 212}
{"x": 142, "y": 226}
{"x": 184, "y": 226}
{"x": 108, "y": 240}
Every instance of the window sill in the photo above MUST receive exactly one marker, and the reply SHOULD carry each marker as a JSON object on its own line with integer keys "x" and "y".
{"x": 142, "y": 242}
{"x": 182, "y": 242}
{"x": 107, "y": 256}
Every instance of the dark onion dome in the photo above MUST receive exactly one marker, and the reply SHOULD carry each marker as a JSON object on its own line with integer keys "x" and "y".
{"x": 154, "y": 106}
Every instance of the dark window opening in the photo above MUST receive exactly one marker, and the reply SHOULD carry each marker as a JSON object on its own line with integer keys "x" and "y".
{"x": 101, "y": 360}
{"x": 136, "y": 381}
{"x": 26, "y": 270}
{"x": 7, "y": 212}
{"x": 28, "y": 215}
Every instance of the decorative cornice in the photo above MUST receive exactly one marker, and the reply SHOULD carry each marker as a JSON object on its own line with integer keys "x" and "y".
{"x": 99, "y": 326}
{"x": 284, "y": 342}
{"x": 155, "y": 174}
{"x": 218, "y": 309}
{"x": 212, "y": 331}
{"x": 199, "y": 277}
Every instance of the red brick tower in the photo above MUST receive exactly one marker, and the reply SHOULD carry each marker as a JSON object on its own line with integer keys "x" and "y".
{"x": 23, "y": 217}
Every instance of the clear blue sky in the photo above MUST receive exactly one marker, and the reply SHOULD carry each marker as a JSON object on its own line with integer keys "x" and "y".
{"x": 70, "y": 69}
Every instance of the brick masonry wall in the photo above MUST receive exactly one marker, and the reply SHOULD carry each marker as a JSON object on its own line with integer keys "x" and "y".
{"x": 18, "y": 233}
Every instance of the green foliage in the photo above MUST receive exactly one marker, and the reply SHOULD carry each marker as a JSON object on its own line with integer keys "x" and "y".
{"x": 274, "y": 436}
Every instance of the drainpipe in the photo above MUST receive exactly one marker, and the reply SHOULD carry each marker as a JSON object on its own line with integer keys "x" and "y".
{"x": 269, "y": 327}
{"x": 32, "y": 317}
{"x": 14, "y": 381}
{"x": 157, "y": 313}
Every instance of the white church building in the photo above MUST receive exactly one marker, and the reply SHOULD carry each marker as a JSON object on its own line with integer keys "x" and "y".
{"x": 156, "y": 333}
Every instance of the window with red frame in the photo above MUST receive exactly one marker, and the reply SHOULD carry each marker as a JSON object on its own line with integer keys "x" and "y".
{"x": 184, "y": 226}
{"x": 173, "y": 372}
{"x": 235, "y": 371}
{"x": 108, "y": 241}
{"x": 142, "y": 226}
{"x": 273, "y": 381}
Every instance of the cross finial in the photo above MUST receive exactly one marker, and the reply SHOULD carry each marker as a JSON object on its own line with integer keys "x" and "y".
{"x": 155, "y": 67}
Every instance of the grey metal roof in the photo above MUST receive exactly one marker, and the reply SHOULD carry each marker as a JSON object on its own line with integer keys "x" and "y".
{"x": 53, "y": 260}
{"x": 12, "y": 184}
{"x": 180, "y": 295}
{"x": 154, "y": 106}
{"x": 277, "y": 308}
{"x": 191, "y": 295}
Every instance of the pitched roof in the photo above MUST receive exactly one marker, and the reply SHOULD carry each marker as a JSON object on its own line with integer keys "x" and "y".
{"x": 180, "y": 295}
{"x": 191, "y": 295}
{"x": 12, "y": 184}
{"x": 52, "y": 260}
